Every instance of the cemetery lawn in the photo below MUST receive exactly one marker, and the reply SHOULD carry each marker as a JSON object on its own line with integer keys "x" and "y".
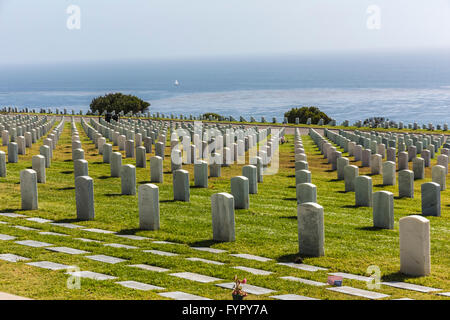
{"x": 268, "y": 229}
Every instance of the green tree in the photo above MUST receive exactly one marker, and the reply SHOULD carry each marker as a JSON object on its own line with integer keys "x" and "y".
{"x": 118, "y": 102}
{"x": 304, "y": 113}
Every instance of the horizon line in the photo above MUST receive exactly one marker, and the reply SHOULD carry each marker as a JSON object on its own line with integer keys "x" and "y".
{"x": 237, "y": 56}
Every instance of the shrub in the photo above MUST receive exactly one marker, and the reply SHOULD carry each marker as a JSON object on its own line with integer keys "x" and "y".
{"x": 304, "y": 113}
{"x": 118, "y": 102}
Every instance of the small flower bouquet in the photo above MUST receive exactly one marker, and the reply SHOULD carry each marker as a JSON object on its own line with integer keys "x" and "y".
{"x": 238, "y": 293}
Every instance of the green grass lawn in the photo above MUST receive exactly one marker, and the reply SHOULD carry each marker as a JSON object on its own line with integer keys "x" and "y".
{"x": 268, "y": 228}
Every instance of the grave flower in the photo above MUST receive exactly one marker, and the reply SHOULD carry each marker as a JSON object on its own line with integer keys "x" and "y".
{"x": 238, "y": 293}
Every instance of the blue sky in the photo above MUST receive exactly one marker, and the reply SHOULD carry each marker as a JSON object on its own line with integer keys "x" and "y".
{"x": 35, "y": 31}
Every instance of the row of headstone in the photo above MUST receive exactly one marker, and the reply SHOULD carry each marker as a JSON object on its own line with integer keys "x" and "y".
{"x": 211, "y": 150}
{"x": 38, "y": 161}
{"x": 148, "y": 193}
{"x": 414, "y": 230}
{"x": 241, "y": 186}
{"x": 374, "y": 161}
{"x": 305, "y": 190}
{"x": 310, "y": 215}
{"x": 382, "y": 202}
{"x": 19, "y": 134}
{"x": 29, "y": 178}
{"x": 387, "y": 144}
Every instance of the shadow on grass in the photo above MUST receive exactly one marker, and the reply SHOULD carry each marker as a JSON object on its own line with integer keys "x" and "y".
{"x": 167, "y": 201}
{"x": 369, "y": 228}
{"x": 114, "y": 194}
{"x": 292, "y": 187}
{"x": 9, "y": 210}
{"x": 289, "y": 217}
{"x": 295, "y": 257}
{"x": 104, "y": 177}
{"x": 290, "y": 199}
{"x": 343, "y": 191}
{"x": 204, "y": 243}
{"x": 349, "y": 206}
{"x": 98, "y": 162}
{"x": 330, "y": 170}
{"x": 144, "y": 182}
{"x": 291, "y": 176}
{"x": 68, "y": 160}
{"x": 66, "y": 172}
{"x": 380, "y": 185}
{"x": 334, "y": 180}
{"x": 66, "y": 221}
{"x": 66, "y": 188}
{"x": 167, "y": 172}
{"x": 396, "y": 276}
{"x": 128, "y": 231}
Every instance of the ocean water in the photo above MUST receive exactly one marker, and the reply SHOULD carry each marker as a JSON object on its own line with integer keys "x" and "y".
{"x": 400, "y": 86}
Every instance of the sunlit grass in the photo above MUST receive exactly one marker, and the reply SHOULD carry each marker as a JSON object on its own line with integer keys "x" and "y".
{"x": 268, "y": 228}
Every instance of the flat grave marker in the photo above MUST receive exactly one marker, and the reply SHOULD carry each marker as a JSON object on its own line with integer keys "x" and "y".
{"x": 34, "y": 244}
{"x": 67, "y": 250}
{"x": 161, "y": 253}
{"x": 205, "y": 261}
{"x": 148, "y": 267}
{"x": 409, "y": 286}
{"x": 39, "y": 220}
{"x": 132, "y": 237}
{"x": 195, "y": 277}
{"x": 12, "y": 215}
{"x": 302, "y": 266}
{"x": 95, "y": 230}
{"x": 254, "y": 271}
{"x": 139, "y": 285}
{"x": 250, "y": 257}
{"x": 351, "y": 276}
{"x": 211, "y": 250}
{"x": 91, "y": 275}
{"x": 305, "y": 281}
{"x": 12, "y": 257}
{"x": 119, "y": 245}
{"x": 49, "y": 233}
{"x": 66, "y": 225}
{"x": 26, "y": 228}
{"x": 48, "y": 265}
{"x": 87, "y": 240}
{"x": 292, "y": 297}
{"x": 106, "y": 259}
{"x": 6, "y": 237}
{"x": 179, "y": 295}
{"x": 359, "y": 292}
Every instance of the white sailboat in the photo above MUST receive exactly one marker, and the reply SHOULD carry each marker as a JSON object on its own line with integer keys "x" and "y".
{"x": 176, "y": 83}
